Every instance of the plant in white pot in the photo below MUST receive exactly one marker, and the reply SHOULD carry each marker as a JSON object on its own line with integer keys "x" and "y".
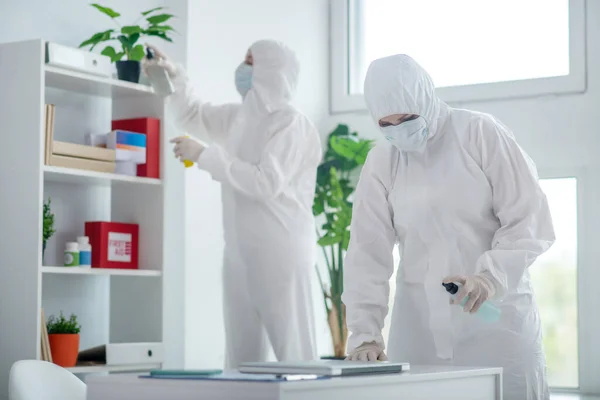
{"x": 336, "y": 176}
{"x": 127, "y": 37}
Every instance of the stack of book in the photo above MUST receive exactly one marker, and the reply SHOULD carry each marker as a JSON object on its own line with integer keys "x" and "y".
{"x": 71, "y": 155}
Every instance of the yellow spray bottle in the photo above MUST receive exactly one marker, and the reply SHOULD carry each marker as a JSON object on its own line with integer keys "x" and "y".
{"x": 188, "y": 163}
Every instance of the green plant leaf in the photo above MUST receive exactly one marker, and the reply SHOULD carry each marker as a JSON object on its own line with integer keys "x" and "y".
{"x": 97, "y": 38}
{"x": 48, "y": 222}
{"x": 328, "y": 240}
{"x": 152, "y": 10}
{"x": 62, "y": 325}
{"x": 137, "y": 53}
{"x": 128, "y": 41}
{"x": 161, "y": 35}
{"x": 112, "y": 53}
{"x": 159, "y": 19}
{"x": 106, "y": 10}
{"x": 131, "y": 29}
{"x": 160, "y": 28}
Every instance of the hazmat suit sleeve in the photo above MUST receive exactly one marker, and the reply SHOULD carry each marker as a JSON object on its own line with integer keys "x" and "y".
{"x": 294, "y": 144}
{"x": 196, "y": 117}
{"x": 369, "y": 263}
{"x": 526, "y": 229}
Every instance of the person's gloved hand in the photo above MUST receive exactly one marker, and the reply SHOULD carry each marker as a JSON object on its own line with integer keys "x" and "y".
{"x": 479, "y": 288}
{"x": 187, "y": 148}
{"x": 160, "y": 59}
{"x": 367, "y": 352}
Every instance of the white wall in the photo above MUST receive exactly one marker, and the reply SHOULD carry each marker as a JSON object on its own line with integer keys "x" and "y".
{"x": 220, "y": 32}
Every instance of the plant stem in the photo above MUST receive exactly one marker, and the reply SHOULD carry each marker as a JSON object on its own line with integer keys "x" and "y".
{"x": 322, "y": 288}
{"x": 340, "y": 288}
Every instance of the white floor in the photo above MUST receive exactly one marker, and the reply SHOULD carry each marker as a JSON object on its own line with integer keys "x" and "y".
{"x": 572, "y": 397}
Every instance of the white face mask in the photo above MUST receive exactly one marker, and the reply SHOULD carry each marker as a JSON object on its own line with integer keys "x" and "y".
{"x": 243, "y": 79}
{"x": 409, "y": 135}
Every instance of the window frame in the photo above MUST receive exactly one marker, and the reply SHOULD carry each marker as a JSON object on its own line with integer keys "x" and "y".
{"x": 588, "y": 323}
{"x": 342, "y": 101}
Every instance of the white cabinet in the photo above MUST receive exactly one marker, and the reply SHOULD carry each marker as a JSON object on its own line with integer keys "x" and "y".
{"x": 113, "y": 306}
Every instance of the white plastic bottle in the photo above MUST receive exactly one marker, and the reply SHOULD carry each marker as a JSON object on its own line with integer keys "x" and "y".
{"x": 85, "y": 252}
{"x": 159, "y": 77}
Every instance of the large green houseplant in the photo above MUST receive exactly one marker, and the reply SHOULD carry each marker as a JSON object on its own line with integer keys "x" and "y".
{"x": 336, "y": 177}
{"x": 127, "y": 37}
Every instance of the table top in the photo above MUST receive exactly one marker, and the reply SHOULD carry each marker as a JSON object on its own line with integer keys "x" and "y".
{"x": 416, "y": 374}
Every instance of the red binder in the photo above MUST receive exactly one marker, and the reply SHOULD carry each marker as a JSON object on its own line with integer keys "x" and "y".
{"x": 151, "y": 128}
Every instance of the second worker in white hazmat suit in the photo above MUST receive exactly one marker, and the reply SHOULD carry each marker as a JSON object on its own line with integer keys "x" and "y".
{"x": 265, "y": 154}
{"x": 461, "y": 199}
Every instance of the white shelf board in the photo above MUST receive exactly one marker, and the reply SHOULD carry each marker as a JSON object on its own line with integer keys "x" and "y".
{"x": 82, "y": 82}
{"x": 113, "y": 368}
{"x": 70, "y": 175}
{"x": 99, "y": 271}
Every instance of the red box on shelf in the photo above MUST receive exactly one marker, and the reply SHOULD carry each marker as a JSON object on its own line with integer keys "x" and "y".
{"x": 114, "y": 244}
{"x": 151, "y": 128}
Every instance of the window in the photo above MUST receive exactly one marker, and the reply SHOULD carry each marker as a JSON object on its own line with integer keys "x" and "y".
{"x": 474, "y": 50}
{"x": 554, "y": 278}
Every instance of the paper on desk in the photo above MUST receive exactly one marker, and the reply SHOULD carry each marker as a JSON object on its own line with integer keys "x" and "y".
{"x": 239, "y": 377}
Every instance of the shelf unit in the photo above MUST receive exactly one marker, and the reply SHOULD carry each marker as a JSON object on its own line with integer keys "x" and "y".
{"x": 99, "y": 271}
{"x": 113, "y": 306}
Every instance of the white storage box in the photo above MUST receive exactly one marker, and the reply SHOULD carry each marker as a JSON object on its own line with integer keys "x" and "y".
{"x": 78, "y": 60}
{"x": 134, "y": 353}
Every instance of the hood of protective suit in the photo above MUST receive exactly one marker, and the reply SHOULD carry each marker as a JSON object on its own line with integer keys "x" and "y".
{"x": 275, "y": 73}
{"x": 398, "y": 85}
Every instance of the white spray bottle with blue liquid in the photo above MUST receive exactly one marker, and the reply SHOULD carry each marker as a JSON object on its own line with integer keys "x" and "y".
{"x": 488, "y": 312}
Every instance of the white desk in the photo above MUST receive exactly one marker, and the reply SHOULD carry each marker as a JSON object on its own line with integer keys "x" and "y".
{"x": 448, "y": 383}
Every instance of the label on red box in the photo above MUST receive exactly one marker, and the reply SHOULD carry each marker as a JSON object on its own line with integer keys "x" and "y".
{"x": 119, "y": 247}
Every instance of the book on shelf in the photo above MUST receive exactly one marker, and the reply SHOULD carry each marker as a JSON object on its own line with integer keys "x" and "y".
{"x": 45, "y": 342}
{"x": 72, "y": 155}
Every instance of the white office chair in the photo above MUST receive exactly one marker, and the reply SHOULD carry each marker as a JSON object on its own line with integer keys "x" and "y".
{"x": 41, "y": 380}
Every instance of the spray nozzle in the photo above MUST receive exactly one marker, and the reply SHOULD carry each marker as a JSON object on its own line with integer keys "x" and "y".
{"x": 149, "y": 53}
{"x": 451, "y": 288}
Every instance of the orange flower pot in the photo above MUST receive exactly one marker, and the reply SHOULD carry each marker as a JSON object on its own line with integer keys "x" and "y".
{"x": 64, "y": 348}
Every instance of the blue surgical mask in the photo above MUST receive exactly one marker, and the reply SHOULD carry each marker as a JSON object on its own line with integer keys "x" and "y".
{"x": 243, "y": 79}
{"x": 409, "y": 135}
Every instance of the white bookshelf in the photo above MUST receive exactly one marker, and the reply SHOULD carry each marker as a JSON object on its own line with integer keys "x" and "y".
{"x": 113, "y": 305}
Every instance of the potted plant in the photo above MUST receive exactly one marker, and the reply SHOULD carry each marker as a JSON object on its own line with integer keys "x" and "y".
{"x": 336, "y": 177}
{"x": 48, "y": 228}
{"x": 63, "y": 335}
{"x": 127, "y": 36}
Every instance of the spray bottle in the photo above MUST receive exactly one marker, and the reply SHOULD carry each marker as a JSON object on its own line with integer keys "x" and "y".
{"x": 487, "y": 312}
{"x": 159, "y": 77}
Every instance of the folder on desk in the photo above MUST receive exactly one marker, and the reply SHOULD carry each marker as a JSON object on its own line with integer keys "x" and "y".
{"x": 235, "y": 376}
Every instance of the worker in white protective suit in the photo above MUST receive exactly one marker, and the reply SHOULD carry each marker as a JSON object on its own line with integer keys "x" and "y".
{"x": 265, "y": 154}
{"x": 462, "y": 200}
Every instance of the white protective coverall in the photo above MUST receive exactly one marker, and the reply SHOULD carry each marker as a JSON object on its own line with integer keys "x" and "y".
{"x": 265, "y": 155}
{"x": 471, "y": 202}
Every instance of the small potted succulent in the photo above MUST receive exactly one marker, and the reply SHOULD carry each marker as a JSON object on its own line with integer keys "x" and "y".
{"x": 63, "y": 335}
{"x": 127, "y": 37}
{"x": 48, "y": 229}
